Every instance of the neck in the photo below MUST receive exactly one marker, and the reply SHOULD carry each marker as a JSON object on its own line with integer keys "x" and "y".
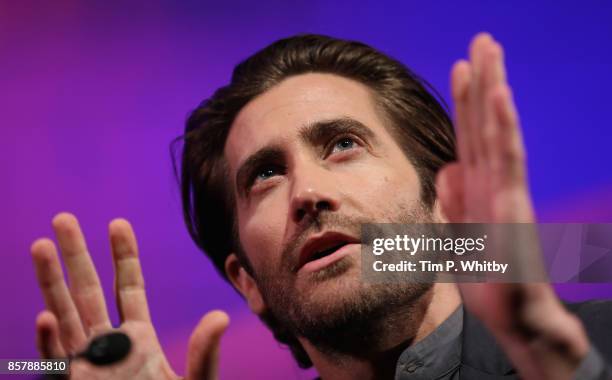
{"x": 395, "y": 333}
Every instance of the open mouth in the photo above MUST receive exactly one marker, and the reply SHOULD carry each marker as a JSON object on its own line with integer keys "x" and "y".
{"x": 324, "y": 249}
{"x": 326, "y": 252}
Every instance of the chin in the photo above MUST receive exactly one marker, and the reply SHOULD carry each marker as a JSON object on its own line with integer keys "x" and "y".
{"x": 340, "y": 280}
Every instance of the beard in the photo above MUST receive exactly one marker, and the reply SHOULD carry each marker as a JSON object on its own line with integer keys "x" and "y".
{"x": 333, "y": 308}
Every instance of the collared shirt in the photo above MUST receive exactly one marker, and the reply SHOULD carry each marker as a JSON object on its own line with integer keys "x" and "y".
{"x": 438, "y": 356}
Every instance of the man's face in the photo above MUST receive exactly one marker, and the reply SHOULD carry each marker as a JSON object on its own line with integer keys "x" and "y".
{"x": 309, "y": 160}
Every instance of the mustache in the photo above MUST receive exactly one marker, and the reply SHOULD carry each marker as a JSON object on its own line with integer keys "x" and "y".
{"x": 350, "y": 225}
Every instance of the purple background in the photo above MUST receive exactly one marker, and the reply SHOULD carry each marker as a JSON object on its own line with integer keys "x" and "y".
{"x": 91, "y": 94}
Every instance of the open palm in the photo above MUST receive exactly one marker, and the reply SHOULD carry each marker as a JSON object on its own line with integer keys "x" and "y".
{"x": 76, "y": 314}
{"x": 488, "y": 184}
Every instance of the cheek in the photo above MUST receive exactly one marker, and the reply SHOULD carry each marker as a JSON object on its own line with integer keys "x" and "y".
{"x": 262, "y": 233}
{"x": 403, "y": 182}
{"x": 380, "y": 186}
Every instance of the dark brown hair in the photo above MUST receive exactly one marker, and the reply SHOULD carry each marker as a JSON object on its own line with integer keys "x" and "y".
{"x": 416, "y": 119}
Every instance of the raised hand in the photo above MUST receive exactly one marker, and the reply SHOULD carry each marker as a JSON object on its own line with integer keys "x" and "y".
{"x": 76, "y": 314}
{"x": 488, "y": 184}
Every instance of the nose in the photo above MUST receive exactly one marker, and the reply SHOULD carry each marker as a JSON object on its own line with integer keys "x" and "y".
{"x": 314, "y": 190}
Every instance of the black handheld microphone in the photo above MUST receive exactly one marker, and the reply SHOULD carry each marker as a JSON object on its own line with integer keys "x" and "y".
{"x": 107, "y": 349}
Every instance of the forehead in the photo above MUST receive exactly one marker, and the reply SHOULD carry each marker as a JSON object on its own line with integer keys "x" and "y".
{"x": 277, "y": 115}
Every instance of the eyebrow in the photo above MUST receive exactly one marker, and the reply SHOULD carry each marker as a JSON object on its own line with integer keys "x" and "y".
{"x": 314, "y": 134}
{"x": 322, "y": 130}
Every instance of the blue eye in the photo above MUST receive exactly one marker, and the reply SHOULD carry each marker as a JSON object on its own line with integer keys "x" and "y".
{"x": 344, "y": 143}
{"x": 265, "y": 173}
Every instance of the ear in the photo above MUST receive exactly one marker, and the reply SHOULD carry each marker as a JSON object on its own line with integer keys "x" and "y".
{"x": 245, "y": 284}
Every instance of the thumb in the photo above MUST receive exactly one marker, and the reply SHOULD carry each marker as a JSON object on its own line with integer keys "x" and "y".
{"x": 203, "y": 351}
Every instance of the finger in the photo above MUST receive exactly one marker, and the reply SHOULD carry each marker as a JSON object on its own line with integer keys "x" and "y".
{"x": 203, "y": 355}
{"x": 48, "y": 336}
{"x": 449, "y": 187}
{"x": 84, "y": 282}
{"x": 468, "y": 146}
{"x": 56, "y": 294}
{"x": 493, "y": 69}
{"x": 460, "y": 85}
{"x": 477, "y": 96}
{"x": 499, "y": 67}
{"x": 477, "y": 176}
{"x": 510, "y": 160}
{"x": 129, "y": 282}
{"x": 493, "y": 76}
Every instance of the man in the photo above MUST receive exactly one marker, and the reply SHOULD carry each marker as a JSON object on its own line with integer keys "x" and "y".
{"x": 313, "y": 137}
